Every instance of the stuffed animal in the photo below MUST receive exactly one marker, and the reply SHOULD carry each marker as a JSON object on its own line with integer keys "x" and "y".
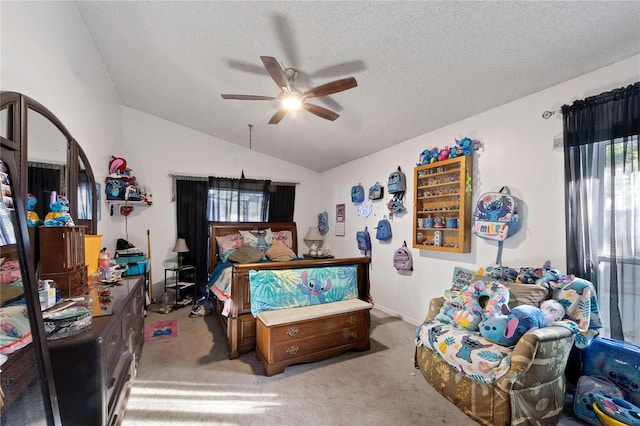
{"x": 32, "y": 217}
{"x": 507, "y": 328}
{"x": 59, "y": 214}
{"x": 466, "y": 146}
{"x": 444, "y": 153}
{"x": 553, "y": 311}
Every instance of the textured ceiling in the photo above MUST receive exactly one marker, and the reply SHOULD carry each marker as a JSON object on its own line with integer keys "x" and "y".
{"x": 419, "y": 65}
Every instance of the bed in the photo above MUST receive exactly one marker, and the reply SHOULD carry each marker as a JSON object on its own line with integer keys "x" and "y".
{"x": 232, "y": 300}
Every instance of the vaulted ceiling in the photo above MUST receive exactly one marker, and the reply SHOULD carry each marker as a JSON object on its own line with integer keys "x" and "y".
{"x": 419, "y": 65}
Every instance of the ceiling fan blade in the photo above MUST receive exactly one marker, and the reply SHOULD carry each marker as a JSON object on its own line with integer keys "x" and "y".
{"x": 278, "y": 116}
{"x": 248, "y": 97}
{"x": 276, "y": 72}
{"x": 331, "y": 87}
{"x": 320, "y": 111}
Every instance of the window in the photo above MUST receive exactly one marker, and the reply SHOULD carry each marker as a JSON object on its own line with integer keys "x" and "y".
{"x": 235, "y": 205}
{"x": 602, "y": 187}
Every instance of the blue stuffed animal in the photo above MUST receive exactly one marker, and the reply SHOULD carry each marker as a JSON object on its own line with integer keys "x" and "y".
{"x": 32, "y": 217}
{"x": 507, "y": 328}
{"x": 59, "y": 214}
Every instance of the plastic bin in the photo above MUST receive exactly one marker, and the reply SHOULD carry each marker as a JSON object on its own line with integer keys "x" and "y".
{"x": 92, "y": 246}
{"x": 137, "y": 268}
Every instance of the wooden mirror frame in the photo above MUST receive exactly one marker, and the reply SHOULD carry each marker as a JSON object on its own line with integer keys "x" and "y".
{"x": 50, "y": 408}
{"x": 21, "y": 104}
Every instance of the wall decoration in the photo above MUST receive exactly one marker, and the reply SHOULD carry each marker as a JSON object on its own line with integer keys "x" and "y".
{"x": 340, "y": 219}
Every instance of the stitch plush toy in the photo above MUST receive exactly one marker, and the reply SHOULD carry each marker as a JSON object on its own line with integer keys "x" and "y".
{"x": 32, "y": 217}
{"x": 507, "y": 328}
{"x": 59, "y": 214}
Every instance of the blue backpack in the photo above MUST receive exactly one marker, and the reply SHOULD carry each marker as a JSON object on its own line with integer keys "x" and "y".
{"x": 364, "y": 241}
{"x": 323, "y": 222}
{"x": 357, "y": 193}
{"x": 383, "y": 232}
{"x": 397, "y": 183}
{"x": 376, "y": 191}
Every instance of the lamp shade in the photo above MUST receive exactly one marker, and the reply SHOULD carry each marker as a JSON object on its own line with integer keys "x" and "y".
{"x": 313, "y": 234}
{"x": 181, "y": 246}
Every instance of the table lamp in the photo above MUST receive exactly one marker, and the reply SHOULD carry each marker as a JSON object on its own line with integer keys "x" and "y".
{"x": 313, "y": 239}
{"x": 180, "y": 247}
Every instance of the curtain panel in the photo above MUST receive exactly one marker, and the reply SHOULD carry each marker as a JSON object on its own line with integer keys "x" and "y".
{"x": 602, "y": 193}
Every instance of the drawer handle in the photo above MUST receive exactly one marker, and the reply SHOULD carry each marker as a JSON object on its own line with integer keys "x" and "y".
{"x": 353, "y": 335}
{"x": 293, "y": 331}
{"x": 9, "y": 382}
{"x": 292, "y": 350}
{"x": 352, "y": 320}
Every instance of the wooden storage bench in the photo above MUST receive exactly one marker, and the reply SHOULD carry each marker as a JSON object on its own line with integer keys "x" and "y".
{"x": 311, "y": 333}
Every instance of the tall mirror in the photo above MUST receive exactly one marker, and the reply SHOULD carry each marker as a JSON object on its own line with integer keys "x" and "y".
{"x": 28, "y": 394}
{"x": 47, "y": 165}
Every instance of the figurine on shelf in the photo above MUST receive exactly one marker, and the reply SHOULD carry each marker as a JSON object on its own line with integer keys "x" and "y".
{"x": 59, "y": 214}
{"x": 32, "y": 217}
{"x": 444, "y": 153}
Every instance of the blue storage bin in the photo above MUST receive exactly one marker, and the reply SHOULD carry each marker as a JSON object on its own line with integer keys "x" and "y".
{"x": 137, "y": 268}
{"x": 122, "y": 260}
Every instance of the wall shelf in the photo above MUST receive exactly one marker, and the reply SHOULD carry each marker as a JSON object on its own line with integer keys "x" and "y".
{"x": 440, "y": 197}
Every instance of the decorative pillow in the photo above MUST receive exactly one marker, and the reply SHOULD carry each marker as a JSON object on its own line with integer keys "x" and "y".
{"x": 259, "y": 238}
{"x": 246, "y": 254}
{"x": 10, "y": 271}
{"x": 520, "y": 294}
{"x": 285, "y": 236}
{"x": 279, "y": 252}
{"x": 15, "y": 332}
{"x": 227, "y": 244}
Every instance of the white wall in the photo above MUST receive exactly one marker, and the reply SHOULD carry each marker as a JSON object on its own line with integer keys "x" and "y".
{"x": 154, "y": 148}
{"x": 47, "y": 55}
{"x": 518, "y": 152}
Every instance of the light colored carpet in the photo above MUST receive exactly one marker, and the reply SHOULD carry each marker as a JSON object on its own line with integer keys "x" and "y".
{"x": 189, "y": 380}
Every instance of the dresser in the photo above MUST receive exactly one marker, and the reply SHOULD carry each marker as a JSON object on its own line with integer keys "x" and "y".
{"x": 95, "y": 369}
{"x": 62, "y": 258}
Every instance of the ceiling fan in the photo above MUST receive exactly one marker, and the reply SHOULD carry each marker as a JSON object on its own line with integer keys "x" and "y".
{"x": 290, "y": 97}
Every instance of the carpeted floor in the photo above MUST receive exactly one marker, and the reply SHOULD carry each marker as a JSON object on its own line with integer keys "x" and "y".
{"x": 189, "y": 380}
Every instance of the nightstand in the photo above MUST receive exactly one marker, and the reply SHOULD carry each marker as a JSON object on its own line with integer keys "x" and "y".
{"x": 172, "y": 281}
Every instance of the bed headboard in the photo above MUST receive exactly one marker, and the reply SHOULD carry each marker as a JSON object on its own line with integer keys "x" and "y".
{"x": 219, "y": 229}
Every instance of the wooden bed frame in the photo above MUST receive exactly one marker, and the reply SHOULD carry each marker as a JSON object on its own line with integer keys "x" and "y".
{"x": 240, "y": 325}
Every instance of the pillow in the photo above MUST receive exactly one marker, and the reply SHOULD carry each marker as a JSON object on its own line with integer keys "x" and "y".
{"x": 246, "y": 254}
{"x": 261, "y": 239}
{"x": 285, "y": 236}
{"x": 227, "y": 244}
{"x": 10, "y": 271}
{"x": 520, "y": 294}
{"x": 279, "y": 252}
{"x": 15, "y": 332}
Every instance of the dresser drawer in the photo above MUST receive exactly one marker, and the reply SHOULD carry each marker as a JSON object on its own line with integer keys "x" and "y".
{"x": 317, "y": 326}
{"x": 292, "y": 347}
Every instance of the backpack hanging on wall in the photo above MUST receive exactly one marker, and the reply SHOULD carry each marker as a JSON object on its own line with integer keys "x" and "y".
{"x": 496, "y": 217}
{"x": 402, "y": 259}
{"x": 383, "y": 230}
{"x": 364, "y": 241}
{"x": 323, "y": 222}
{"x": 376, "y": 191}
{"x": 397, "y": 182}
{"x": 357, "y": 193}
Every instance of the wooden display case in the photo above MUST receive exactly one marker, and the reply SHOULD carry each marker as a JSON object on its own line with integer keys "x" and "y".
{"x": 442, "y": 207}
{"x": 62, "y": 258}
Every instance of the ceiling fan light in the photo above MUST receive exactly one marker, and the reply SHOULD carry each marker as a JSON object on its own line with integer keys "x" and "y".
{"x": 291, "y": 102}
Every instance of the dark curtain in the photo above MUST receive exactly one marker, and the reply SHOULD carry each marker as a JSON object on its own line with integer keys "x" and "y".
{"x": 191, "y": 205}
{"x": 41, "y": 181}
{"x": 602, "y": 188}
{"x": 282, "y": 202}
{"x": 238, "y": 200}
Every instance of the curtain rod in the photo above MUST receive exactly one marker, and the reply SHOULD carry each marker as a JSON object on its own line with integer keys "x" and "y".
{"x": 205, "y": 178}
{"x": 549, "y": 114}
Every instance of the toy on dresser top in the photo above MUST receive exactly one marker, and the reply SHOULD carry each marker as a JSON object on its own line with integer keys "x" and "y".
{"x": 59, "y": 214}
